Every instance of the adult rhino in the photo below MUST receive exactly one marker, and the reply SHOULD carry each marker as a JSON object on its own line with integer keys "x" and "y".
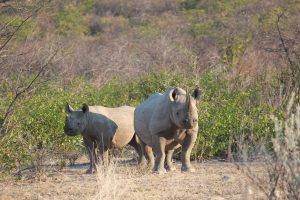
{"x": 101, "y": 128}
{"x": 165, "y": 122}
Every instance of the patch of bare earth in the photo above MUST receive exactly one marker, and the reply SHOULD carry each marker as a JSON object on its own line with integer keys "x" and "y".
{"x": 124, "y": 180}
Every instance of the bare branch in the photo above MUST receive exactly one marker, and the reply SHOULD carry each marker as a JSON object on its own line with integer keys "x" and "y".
{"x": 18, "y": 28}
{"x": 24, "y": 90}
{"x": 286, "y": 50}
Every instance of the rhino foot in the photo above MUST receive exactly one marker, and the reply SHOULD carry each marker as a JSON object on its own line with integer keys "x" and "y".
{"x": 142, "y": 163}
{"x": 187, "y": 169}
{"x": 171, "y": 168}
{"x": 90, "y": 171}
{"x": 160, "y": 171}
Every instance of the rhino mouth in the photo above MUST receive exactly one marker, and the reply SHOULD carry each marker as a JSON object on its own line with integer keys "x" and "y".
{"x": 188, "y": 126}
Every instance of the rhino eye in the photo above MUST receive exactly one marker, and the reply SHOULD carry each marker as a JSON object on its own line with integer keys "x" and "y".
{"x": 78, "y": 123}
{"x": 177, "y": 113}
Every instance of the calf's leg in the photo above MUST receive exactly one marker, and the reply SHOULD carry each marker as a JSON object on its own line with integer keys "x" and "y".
{"x": 90, "y": 148}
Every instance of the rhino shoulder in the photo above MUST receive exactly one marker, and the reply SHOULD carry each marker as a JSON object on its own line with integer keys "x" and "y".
{"x": 160, "y": 119}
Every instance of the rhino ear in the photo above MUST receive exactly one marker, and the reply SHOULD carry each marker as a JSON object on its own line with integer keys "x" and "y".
{"x": 68, "y": 108}
{"x": 174, "y": 94}
{"x": 85, "y": 108}
{"x": 197, "y": 93}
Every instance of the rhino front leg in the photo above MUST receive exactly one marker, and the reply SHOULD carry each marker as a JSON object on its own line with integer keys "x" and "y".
{"x": 90, "y": 148}
{"x": 159, "y": 150}
{"x": 169, "y": 165}
{"x": 187, "y": 147}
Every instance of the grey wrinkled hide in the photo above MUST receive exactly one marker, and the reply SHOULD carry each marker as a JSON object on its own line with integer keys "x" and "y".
{"x": 165, "y": 122}
{"x": 101, "y": 128}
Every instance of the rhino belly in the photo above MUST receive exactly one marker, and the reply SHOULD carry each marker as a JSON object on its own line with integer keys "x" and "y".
{"x": 122, "y": 138}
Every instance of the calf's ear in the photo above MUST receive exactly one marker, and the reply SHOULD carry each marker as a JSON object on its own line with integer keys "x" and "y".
{"x": 197, "y": 93}
{"x": 68, "y": 108}
{"x": 85, "y": 108}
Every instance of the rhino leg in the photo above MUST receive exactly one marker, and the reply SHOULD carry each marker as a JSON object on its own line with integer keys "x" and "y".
{"x": 169, "y": 165}
{"x": 187, "y": 146}
{"x": 95, "y": 153}
{"x": 90, "y": 148}
{"x": 159, "y": 150}
{"x": 136, "y": 144}
{"x": 103, "y": 154}
{"x": 149, "y": 155}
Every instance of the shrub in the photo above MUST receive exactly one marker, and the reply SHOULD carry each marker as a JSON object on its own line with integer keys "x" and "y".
{"x": 228, "y": 113}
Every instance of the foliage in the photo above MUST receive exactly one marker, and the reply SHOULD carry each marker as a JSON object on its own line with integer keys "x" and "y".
{"x": 228, "y": 114}
{"x": 72, "y": 18}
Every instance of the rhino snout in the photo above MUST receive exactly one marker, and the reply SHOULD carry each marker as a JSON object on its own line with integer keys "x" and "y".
{"x": 68, "y": 130}
{"x": 189, "y": 123}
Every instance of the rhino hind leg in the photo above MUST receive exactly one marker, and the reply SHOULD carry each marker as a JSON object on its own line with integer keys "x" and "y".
{"x": 168, "y": 163}
{"x": 136, "y": 143}
{"x": 148, "y": 155}
{"x": 103, "y": 154}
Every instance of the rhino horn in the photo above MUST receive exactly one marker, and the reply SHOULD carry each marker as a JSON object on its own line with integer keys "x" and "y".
{"x": 188, "y": 100}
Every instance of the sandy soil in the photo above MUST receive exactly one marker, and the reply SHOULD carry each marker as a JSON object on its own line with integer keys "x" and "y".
{"x": 124, "y": 180}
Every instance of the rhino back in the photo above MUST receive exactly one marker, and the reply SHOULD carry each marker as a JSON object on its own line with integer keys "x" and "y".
{"x": 115, "y": 123}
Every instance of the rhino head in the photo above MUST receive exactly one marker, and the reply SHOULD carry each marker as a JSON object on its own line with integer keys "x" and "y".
{"x": 76, "y": 121}
{"x": 184, "y": 113}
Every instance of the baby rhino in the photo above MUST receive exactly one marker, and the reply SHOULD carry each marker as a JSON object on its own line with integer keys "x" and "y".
{"x": 101, "y": 128}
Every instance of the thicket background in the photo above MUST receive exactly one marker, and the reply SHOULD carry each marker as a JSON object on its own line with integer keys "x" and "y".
{"x": 244, "y": 55}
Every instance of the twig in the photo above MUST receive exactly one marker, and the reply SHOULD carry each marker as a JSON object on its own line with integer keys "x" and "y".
{"x": 286, "y": 50}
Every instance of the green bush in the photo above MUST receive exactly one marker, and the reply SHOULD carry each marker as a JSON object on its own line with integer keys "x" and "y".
{"x": 228, "y": 115}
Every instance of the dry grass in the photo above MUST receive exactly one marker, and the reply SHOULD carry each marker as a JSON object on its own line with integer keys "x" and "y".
{"x": 124, "y": 180}
{"x": 112, "y": 185}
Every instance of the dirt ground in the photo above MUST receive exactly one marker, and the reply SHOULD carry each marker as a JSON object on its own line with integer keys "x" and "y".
{"x": 124, "y": 180}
